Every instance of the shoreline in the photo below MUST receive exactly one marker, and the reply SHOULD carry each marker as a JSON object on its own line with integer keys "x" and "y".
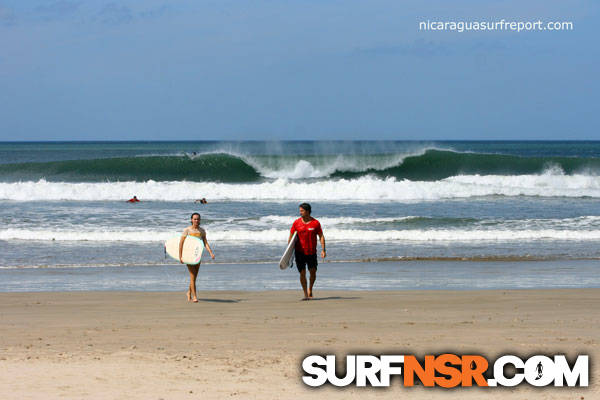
{"x": 250, "y": 344}
{"x": 373, "y": 276}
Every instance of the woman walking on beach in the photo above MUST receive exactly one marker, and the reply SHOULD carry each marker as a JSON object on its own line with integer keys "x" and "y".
{"x": 194, "y": 230}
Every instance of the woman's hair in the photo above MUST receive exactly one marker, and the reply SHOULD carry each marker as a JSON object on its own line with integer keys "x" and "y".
{"x": 198, "y": 214}
{"x": 306, "y": 206}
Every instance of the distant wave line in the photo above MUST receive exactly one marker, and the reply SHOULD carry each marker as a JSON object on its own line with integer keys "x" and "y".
{"x": 427, "y": 164}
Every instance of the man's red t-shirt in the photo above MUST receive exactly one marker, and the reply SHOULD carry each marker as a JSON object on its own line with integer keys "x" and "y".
{"x": 307, "y": 235}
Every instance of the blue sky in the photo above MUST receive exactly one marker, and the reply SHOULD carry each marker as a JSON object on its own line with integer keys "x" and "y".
{"x": 239, "y": 70}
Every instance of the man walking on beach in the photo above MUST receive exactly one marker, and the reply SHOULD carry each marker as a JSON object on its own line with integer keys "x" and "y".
{"x": 308, "y": 229}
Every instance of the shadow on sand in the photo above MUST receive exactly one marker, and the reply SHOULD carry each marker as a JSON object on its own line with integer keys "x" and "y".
{"x": 334, "y": 298}
{"x": 221, "y": 300}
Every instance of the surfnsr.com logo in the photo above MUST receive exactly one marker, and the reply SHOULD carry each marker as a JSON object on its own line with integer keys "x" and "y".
{"x": 447, "y": 370}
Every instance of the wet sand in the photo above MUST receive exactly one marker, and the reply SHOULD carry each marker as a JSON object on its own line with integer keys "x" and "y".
{"x": 249, "y": 345}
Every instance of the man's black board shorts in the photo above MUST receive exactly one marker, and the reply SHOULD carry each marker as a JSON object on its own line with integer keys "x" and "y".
{"x": 302, "y": 260}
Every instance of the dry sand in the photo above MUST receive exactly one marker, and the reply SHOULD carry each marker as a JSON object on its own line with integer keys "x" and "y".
{"x": 249, "y": 345}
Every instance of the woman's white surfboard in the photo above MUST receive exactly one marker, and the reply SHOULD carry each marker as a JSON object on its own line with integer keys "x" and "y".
{"x": 288, "y": 255}
{"x": 192, "y": 249}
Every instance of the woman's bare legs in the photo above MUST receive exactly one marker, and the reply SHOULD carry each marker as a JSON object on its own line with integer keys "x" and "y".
{"x": 191, "y": 294}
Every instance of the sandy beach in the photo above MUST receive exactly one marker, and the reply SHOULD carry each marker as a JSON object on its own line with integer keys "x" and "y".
{"x": 149, "y": 345}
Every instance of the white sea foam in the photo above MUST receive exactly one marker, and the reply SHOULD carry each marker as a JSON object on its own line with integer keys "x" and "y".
{"x": 325, "y": 166}
{"x": 584, "y": 223}
{"x": 318, "y": 166}
{"x": 269, "y": 220}
{"x": 325, "y": 221}
{"x": 361, "y": 189}
{"x": 279, "y": 236}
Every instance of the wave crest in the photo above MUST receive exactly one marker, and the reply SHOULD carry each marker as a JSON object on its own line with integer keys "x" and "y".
{"x": 229, "y": 167}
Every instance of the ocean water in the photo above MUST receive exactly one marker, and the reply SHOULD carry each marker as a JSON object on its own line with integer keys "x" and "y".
{"x": 62, "y": 204}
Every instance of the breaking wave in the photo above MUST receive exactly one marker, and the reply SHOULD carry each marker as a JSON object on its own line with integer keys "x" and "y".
{"x": 229, "y": 167}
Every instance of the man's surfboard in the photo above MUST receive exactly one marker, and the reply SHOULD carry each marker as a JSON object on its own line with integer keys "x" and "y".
{"x": 192, "y": 249}
{"x": 288, "y": 254}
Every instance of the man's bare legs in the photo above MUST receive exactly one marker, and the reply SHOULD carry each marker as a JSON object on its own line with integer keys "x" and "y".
{"x": 191, "y": 293}
{"x": 303, "y": 283}
{"x": 313, "y": 278}
{"x": 308, "y": 289}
